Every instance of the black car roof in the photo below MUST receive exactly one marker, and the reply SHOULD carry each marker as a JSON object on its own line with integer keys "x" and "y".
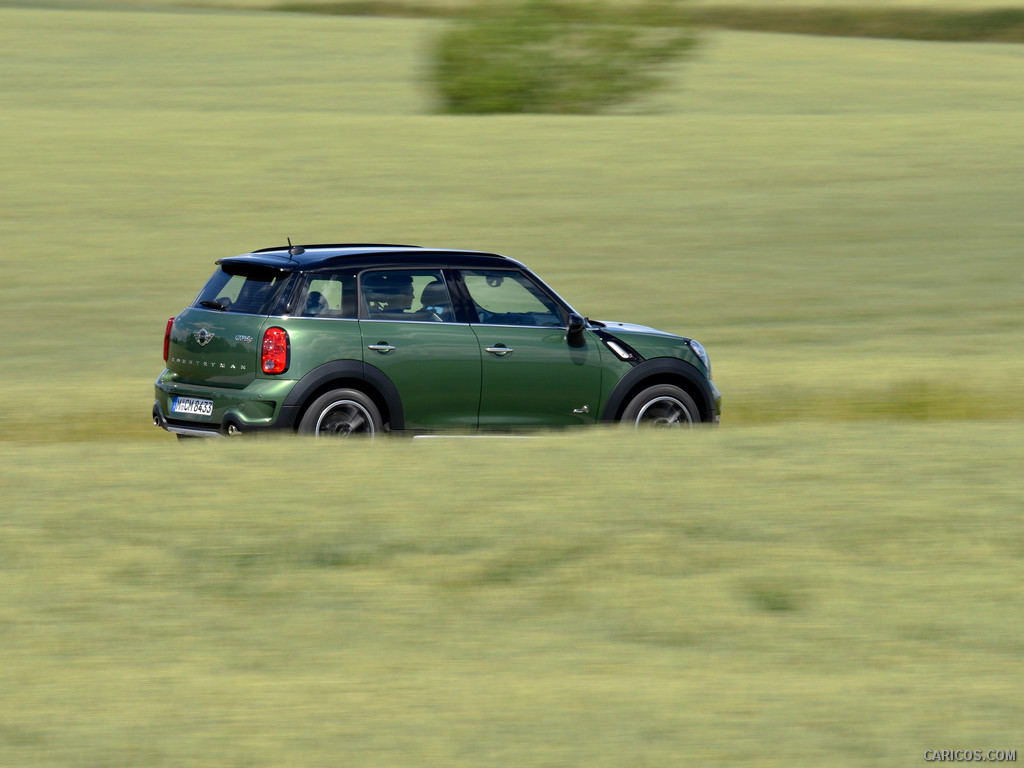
{"x": 302, "y": 258}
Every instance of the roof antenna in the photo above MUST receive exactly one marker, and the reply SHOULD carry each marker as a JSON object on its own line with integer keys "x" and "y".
{"x": 295, "y": 250}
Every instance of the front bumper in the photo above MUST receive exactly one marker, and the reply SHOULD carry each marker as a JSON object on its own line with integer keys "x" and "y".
{"x": 717, "y": 397}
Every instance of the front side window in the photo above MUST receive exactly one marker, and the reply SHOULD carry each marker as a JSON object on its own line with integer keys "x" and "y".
{"x": 246, "y": 290}
{"x": 403, "y": 294}
{"x": 510, "y": 298}
{"x": 328, "y": 295}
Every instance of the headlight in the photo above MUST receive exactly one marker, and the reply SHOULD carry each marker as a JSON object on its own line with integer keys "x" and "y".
{"x": 702, "y": 354}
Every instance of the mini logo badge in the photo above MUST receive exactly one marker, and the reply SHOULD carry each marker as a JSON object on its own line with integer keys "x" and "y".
{"x": 203, "y": 336}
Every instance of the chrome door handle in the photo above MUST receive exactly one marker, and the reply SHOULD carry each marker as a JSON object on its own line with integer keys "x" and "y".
{"x": 501, "y": 350}
{"x": 381, "y": 346}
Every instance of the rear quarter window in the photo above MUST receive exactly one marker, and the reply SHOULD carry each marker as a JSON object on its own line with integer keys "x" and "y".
{"x": 328, "y": 295}
{"x": 245, "y": 290}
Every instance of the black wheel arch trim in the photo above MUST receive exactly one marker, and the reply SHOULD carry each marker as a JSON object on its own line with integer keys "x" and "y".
{"x": 659, "y": 368}
{"x": 322, "y": 376}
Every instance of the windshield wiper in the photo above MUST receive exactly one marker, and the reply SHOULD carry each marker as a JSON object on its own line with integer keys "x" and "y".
{"x": 213, "y": 305}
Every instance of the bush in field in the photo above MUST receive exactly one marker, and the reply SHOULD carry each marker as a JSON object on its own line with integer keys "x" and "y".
{"x": 540, "y": 56}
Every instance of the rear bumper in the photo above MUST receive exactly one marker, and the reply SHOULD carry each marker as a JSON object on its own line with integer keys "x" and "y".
{"x": 187, "y": 429}
{"x": 258, "y": 407}
{"x": 230, "y": 427}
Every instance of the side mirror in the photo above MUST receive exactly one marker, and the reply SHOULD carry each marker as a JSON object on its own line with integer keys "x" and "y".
{"x": 574, "y": 332}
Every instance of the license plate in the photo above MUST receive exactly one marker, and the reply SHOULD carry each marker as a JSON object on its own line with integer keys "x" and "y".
{"x": 193, "y": 406}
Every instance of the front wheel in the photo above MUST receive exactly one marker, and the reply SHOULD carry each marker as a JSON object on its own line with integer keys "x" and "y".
{"x": 341, "y": 413}
{"x": 661, "y": 406}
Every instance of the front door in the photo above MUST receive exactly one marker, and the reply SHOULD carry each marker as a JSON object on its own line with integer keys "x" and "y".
{"x": 531, "y": 376}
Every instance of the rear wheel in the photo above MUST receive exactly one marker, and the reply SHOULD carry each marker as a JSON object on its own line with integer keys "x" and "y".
{"x": 341, "y": 413}
{"x": 662, "y": 406}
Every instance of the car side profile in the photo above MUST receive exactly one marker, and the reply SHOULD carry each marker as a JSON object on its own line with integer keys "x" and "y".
{"x": 339, "y": 340}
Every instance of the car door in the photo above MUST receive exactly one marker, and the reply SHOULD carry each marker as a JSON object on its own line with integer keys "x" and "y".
{"x": 530, "y": 374}
{"x": 410, "y": 334}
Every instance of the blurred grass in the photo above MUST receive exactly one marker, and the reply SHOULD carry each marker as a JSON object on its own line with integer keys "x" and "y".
{"x": 999, "y": 25}
{"x": 932, "y": 21}
{"x": 810, "y": 594}
{"x": 831, "y": 578}
{"x": 837, "y": 221}
{"x": 435, "y": 8}
{"x": 942, "y": 20}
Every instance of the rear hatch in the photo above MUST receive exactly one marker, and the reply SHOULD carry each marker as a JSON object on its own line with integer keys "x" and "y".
{"x": 216, "y": 341}
{"x": 214, "y": 348}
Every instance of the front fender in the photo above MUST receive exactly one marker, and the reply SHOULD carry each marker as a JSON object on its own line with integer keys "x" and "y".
{"x": 662, "y": 369}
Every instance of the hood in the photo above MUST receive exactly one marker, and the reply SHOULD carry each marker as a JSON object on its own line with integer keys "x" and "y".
{"x": 614, "y": 326}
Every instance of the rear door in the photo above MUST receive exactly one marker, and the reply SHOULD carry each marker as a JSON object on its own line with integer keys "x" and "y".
{"x": 410, "y": 334}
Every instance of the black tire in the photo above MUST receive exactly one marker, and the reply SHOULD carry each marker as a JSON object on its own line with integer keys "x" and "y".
{"x": 342, "y": 413}
{"x": 661, "y": 406}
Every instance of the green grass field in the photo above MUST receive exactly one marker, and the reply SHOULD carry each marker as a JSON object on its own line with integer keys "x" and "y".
{"x": 837, "y": 221}
{"x": 445, "y": 6}
{"x": 806, "y": 595}
{"x": 832, "y": 577}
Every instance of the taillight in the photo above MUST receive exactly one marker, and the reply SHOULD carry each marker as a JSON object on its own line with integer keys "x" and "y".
{"x": 167, "y": 336}
{"x": 275, "y": 350}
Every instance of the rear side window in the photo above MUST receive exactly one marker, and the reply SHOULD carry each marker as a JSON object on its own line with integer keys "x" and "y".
{"x": 328, "y": 295}
{"x": 243, "y": 290}
{"x": 412, "y": 295}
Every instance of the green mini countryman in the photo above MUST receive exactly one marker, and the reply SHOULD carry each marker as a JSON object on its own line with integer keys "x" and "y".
{"x": 363, "y": 339}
